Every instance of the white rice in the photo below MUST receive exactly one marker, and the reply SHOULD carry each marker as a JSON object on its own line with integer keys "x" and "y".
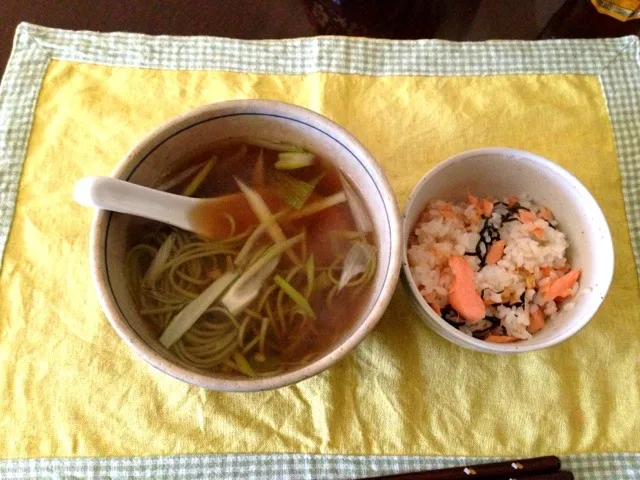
{"x": 454, "y": 229}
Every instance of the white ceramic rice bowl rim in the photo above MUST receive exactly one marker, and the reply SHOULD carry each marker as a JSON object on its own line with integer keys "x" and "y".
{"x": 165, "y": 365}
{"x": 437, "y": 324}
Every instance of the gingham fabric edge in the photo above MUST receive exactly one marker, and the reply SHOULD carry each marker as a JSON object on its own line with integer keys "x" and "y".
{"x": 33, "y": 48}
{"x": 619, "y": 466}
{"x": 18, "y": 96}
{"x": 330, "y": 54}
{"x": 620, "y": 81}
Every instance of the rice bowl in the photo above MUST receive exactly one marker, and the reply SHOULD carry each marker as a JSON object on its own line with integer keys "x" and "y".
{"x": 499, "y": 173}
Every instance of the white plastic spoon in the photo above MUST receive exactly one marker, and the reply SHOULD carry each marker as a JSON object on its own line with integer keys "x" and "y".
{"x": 208, "y": 217}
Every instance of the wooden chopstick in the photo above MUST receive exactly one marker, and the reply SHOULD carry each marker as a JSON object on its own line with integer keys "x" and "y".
{"x": 559, "y": 475}
{"x": 539, "y": 468}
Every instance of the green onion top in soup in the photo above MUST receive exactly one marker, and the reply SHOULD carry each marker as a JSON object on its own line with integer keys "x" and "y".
{"x": 284, "y": 271}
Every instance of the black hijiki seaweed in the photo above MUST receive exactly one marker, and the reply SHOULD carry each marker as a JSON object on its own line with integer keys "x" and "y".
{"x": 490, "y": 233}
{"x": 512, "y": 213}
{"x": 499, "y": 331}
{"x": 482, "y": 334}
{"x": 452, "y": 317}
{"x": 519, "y": 303}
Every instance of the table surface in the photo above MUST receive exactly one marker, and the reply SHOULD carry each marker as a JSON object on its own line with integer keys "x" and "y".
{"x": 253, "y": 19}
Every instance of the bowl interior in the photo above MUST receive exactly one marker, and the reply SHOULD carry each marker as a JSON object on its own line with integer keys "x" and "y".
{"x": 501, "y": 172}
{"x": 174, "y": 144}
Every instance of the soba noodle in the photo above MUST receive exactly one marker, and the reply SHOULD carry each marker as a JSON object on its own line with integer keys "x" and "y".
{"x": 279, "y": 329}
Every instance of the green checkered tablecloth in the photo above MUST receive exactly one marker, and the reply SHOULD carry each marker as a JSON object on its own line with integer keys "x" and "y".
{"x": 618, "y": 466}
{"x": 615, "y": 61}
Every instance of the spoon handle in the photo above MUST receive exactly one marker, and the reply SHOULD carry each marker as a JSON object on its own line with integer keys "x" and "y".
{"x": 109, "y": 193}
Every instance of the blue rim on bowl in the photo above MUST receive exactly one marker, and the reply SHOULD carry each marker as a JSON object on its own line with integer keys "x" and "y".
{"x": 287, "y": 121}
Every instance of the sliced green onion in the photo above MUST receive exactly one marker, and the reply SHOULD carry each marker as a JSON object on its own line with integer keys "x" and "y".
{"x": 330, "y": 296}
{"x": 257, "y": 176}
{"x": 185, "y": 319}
{"x": 247, "y": 287}
{"x": 253, "y": 238}
{"x": 265, "y": 217}
{"x": 272, "y": 145}
{"x": 311, "y": 272}
{"x": 199, "y": 178}
{"x": 294, "y": 295}
{"x": 356, "y": 262}
{"x": 272, "y": 252}
{"x": 317, "y": 180}
{"x": 257, "y": 254}
{"x": 243, "y": 256}
{"x": 358, "y": 210}
{"x": 293, "y": 191}
{"x": 318, "y": 206}
{"x": 242, "y": 364}
{"x": 179, "y": 178}
{"x": 159, "y": 261}
{"x": 294, "y": 160}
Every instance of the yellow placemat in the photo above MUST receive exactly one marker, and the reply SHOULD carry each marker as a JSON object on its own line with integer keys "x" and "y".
{"x": 70, "y": 387}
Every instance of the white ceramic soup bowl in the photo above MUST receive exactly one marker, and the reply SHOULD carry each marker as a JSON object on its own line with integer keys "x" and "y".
{"x": 184, "y": 137}
{"x": 501, "y": 172}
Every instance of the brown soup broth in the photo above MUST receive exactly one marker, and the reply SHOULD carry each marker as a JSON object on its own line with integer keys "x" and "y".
{"x": 298, "y": 342}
